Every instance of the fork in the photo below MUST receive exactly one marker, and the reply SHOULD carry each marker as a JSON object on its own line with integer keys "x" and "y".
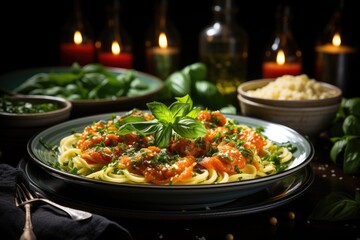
{"x": 28, "y": 197}
{"x": 20, "y": 200}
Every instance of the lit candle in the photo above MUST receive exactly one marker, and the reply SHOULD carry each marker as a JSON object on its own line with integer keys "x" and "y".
{"x": 123, "y": 60}
{"x": 116, "y": 58}
{"x": 280, "y": 67}
{"x": 78, "y": 51}
{"x": 273, "y": 70}
{"x": 162, "y": 60}
{"x": 334, "y": 64}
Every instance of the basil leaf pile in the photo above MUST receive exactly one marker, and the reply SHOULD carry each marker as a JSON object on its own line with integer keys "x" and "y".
{"x": 92, "y": 81}
{"x": 345, "y": 135}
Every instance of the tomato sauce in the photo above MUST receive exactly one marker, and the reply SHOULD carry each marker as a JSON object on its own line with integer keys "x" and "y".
{"x": 218, "y": 150}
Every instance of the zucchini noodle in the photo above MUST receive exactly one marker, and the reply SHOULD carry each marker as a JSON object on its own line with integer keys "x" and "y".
{"x": 228, "y": 152}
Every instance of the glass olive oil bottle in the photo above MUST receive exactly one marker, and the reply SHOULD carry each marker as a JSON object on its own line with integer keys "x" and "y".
{"x": 223, "y": 47}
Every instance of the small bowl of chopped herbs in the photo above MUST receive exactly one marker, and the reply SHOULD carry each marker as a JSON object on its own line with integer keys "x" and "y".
{"x": 22, "y": 116}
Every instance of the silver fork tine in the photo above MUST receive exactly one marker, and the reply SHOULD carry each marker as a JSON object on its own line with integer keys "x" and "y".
{"x": 22, "y": 192}
{"x": 18, "y": 199}
{"x": 25, "y": 192}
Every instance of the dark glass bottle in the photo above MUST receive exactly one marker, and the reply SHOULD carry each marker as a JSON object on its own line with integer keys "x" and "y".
{"x": 223, "y": 47}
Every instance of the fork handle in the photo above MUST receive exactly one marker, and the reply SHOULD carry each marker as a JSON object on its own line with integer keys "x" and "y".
{"x": 28, "y": 233}
{"x": 75, "y": 214}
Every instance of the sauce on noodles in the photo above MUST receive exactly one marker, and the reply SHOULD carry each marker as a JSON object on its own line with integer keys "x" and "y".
{"x": 228, "y": 152}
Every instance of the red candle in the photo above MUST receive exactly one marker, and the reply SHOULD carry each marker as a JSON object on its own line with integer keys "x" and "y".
{"x": 122, "y": 60}
{"x": 80, "y": 53}
{"x": 274, "y": 70}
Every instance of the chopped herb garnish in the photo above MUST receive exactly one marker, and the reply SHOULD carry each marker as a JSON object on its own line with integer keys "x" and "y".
{"x": 9, "y": 105}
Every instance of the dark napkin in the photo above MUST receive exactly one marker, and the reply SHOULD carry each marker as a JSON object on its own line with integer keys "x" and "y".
{"x": 48, "y": 222}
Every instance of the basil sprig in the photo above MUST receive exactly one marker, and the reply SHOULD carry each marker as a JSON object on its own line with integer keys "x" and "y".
{"x": 177, "y": 119}
{"x": 345, "y": 135}
{"x": 337, "y": 206}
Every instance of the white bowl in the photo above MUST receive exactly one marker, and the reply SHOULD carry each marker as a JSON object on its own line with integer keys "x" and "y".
{"x": 309, "y": 120}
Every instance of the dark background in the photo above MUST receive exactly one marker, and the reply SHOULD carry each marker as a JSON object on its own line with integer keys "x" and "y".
{"x": 31, "y": 30}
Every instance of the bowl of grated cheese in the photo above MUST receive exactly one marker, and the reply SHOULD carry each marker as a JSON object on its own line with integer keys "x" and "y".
{"x": 291, "y": 91}
{"x": 303, "y": 104}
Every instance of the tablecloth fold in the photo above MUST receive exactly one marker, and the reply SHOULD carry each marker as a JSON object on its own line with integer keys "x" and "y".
{"x": 48, "y": 221}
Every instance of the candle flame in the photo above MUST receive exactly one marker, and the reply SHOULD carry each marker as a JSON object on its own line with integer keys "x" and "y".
{"x": 115, "y": 48}
{"x": 163, "y": 40}
{"x": 78, "y": 37}
{"x": 280, "y": 57}
{"x": 336, "y": 41}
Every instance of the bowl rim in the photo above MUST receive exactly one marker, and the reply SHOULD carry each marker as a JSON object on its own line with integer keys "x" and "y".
{"x": 286, "y": 108}
{"x": 64, "y": 106}
{"x": 244, "y": 87}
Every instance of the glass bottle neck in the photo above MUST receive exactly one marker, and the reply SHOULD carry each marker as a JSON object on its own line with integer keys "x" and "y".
{"x": 224, "y": 11}
{"x": 283, "y": 23}
{"x": 113, "y": 20}
{"x": 78, "y": 16}
{"x": 162, "y": 13}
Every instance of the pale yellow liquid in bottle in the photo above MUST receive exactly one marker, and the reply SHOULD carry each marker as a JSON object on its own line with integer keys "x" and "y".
{"x": 223, "y": 47}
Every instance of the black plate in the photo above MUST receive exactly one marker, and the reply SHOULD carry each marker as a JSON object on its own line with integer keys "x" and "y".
{"x": 165, "y": 197}
{"x": 277, "y": 194}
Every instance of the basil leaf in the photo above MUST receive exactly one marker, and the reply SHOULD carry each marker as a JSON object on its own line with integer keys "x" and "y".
{"x": 352, "y": 106}
{"x": 337, "y": 206}
{"x": 145, "y": 127}
{"x": 140, "y": 127}
{"x": 352, "y": 157}
{"x": 139, "y": 84}
{"x": 179, "y": 84}
{"x": 92, "y": 80}
{"x": 196, "y": 71}
{"x": 94, "y": 93}
{"x": 160, "y": 111}
{"x": 131, "y": 119}
{"x": 189, "y": 128}
{"x": 163, "y": 135}
{"x": 178, "y": 109}
{"x": 125, "y": 129}
{"x": 357, "y": 197}
{"x": 185, "y": 99}
{"x": 76, "y": 68}
{"x": 351, "y": 125}
{"x": 337, "y": 149}
{"x": 194, "y": 112}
